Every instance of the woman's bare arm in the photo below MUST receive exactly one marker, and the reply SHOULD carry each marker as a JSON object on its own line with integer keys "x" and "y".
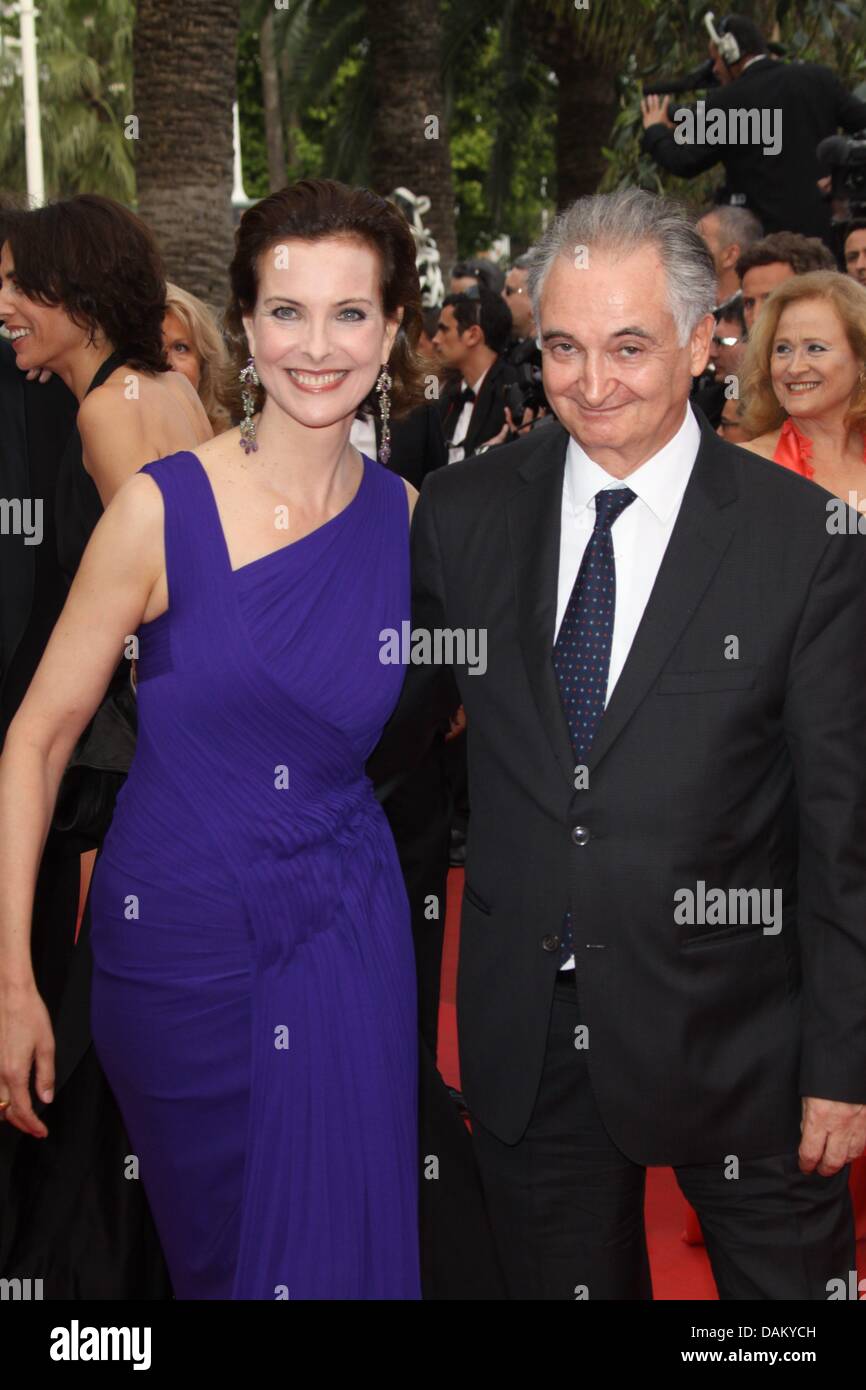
{"x": 119, "y": 568}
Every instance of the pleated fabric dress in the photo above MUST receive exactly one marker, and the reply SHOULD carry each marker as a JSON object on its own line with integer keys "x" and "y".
{"x": 254, "y": 998}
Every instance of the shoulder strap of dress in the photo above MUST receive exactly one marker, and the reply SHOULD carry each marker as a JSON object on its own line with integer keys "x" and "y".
{"x": 195, "y": 558}
{"x": 103, "y": 372}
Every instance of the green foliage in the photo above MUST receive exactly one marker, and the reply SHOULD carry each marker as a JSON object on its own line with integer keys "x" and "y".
{"x": 85, "y": 78}
{"x": 498, "y": 104}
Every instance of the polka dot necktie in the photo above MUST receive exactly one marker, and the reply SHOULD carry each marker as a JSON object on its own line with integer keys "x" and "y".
{"x": 581, "y": 653}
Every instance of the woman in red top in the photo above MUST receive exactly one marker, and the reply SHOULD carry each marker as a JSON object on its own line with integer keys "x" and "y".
{"x": 805, "y": 382}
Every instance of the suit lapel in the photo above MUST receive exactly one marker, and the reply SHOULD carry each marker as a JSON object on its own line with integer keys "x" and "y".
{"x": 482, "y": 422}
{"x": 701, "y": 535}
{"x": 534, "y": 524}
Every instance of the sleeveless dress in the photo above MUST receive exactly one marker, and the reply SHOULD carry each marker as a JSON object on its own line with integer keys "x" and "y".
{"x": 254, "y": 998}
{"x": 794, "y": 450}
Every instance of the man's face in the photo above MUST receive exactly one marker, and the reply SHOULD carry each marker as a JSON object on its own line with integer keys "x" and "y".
{"x": 613, "y": 369}
{"x": 758, "y": 285}
{"x": 516, "y": 296}
{"x": 448, "y": 343}
{"x": 721, "y": 71}
{"x": 855, "y": 254}
{"x": 724, "y": 354}
{"x": 730, "y": 426}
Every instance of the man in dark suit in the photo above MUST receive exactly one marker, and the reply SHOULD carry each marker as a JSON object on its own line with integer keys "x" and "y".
{"x": 772, "y": 168}
{"x": 663, "y": 941}
{"x": 473, "y": 333}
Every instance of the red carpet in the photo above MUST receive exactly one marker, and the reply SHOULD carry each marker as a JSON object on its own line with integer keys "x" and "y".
{"x": 679, "y": 1271}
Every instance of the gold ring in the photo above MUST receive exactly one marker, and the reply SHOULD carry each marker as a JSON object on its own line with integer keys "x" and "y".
{"x": 4, "y": 1104}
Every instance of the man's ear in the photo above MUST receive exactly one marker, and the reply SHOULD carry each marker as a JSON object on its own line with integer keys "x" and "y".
{"x": 730, "y": 256}
{"x": 700, "y": 344}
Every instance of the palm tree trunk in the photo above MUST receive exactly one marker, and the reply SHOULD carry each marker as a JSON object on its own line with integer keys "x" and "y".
{"x": 184, "y": 59}
{"x": 586, "y": 108}
{"x": 586, "y": 98}
{"x": 271, "y": 104}
{"x": 405, "y": 47}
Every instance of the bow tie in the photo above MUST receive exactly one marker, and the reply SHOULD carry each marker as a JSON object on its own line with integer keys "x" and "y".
{"x": 467, "y": 394}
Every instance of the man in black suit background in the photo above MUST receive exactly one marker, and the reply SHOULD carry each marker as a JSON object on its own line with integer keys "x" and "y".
{"x": 803, "y": 102}
{"x": 473, "y": 333}
{"x": 663, "y": 940}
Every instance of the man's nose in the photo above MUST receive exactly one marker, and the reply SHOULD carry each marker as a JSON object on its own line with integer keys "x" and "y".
{"x": 594, "y": 380}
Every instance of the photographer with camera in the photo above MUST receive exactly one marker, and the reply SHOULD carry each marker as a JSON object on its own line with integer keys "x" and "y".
{"x": 763, "y": 122}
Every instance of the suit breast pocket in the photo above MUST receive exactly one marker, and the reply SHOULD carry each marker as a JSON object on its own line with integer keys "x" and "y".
{"x": 706, "y": 682}
{"x": 475, "y": 900}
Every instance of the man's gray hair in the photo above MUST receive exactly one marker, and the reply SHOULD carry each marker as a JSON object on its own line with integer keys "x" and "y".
{"x": 737, "y": 226}
{"x": 621, "y": 223}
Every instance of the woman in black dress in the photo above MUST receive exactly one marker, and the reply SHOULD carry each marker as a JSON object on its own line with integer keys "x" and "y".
{"x": 82, "y": 293}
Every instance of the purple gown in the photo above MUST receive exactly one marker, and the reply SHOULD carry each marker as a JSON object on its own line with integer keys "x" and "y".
{"x": 254, "y": 995}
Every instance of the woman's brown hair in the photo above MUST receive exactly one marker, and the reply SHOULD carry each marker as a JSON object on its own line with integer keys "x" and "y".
{"x": 311, "y": 210}
{"x": 763, "y": 412}
{"x": 101, "y": 264}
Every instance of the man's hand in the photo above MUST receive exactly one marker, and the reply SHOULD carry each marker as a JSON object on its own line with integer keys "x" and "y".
{"x": 832, "y": 1133}
{"x": 456, "y": 724}
{"x": 509, "y": 428}
{"x": 654, "y": 111}
{"x": 37, "y": 374}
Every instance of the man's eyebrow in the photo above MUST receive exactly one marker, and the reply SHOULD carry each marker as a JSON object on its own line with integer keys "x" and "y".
{"x": 281, "y": 299}
{"x": 628, "y": 332}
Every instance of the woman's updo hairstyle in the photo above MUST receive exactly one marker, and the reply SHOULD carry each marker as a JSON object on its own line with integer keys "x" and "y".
{"x": 311, "y": 210}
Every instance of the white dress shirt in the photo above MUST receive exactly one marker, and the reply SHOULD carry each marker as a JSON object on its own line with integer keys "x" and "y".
{"x": 456, "y": 450}
{"x": 640, "y": 534}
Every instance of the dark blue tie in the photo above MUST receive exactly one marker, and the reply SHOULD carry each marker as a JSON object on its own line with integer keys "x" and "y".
{"x": 581, "y": 653}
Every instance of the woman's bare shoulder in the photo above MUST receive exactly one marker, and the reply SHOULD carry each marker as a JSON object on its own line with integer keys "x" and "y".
{"x": 764, "y": 444}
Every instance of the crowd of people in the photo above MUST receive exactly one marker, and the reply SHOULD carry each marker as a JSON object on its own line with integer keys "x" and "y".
{"x": 192, "y": 686}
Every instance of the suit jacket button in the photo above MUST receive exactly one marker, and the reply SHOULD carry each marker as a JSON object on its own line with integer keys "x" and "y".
{"x": 580, "y": 835}
{"x": 550, "y": 943}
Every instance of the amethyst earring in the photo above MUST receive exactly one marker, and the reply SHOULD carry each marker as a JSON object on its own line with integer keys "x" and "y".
{"x": 249, "y": 378}
{"x": 383, "y": 386}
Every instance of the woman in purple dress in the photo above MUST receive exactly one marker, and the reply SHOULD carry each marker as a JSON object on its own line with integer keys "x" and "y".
{"x": 253, "y": 991}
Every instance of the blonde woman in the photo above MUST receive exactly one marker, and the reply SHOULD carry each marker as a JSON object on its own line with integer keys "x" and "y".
{"x": 805, "y": 382}
{"x": 194, "y": 346}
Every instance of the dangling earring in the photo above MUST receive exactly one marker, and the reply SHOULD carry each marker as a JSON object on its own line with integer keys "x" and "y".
{"x": 248, "y": 378}
{"x": 383, "y": 386}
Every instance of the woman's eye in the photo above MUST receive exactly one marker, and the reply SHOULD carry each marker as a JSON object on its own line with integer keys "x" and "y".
{"x": 181, "y": 347}
{"x": 359, "y": 312}
{"x": 283, "y": 309}
{"x": 817, "y": 347}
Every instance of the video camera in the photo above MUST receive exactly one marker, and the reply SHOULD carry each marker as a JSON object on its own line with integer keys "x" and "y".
{"x": 527, "y": 392}
{"x": 845, "y": 156}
